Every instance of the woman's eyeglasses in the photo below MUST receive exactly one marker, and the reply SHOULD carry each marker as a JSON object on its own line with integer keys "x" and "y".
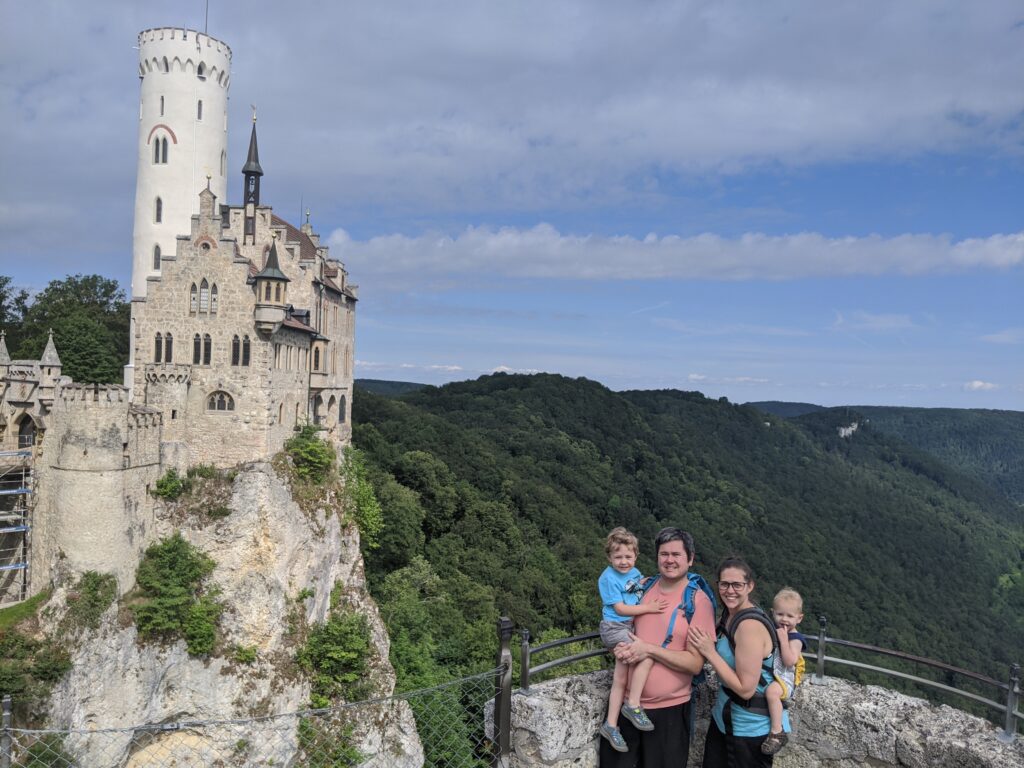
{"x": 735, "y": 586}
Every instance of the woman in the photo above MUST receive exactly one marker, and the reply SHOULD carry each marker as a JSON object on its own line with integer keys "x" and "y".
{"x": 739, "y": 722}
{"x": 666, "y": 695}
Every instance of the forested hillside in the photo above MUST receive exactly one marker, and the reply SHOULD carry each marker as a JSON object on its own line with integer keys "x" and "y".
{"x": 497, "y": 495}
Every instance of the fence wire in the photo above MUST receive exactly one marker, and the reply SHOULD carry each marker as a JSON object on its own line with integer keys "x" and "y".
{"x": 439, "y": 727}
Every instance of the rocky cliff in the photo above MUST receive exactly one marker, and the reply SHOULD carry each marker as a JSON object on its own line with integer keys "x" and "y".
{"x": 837, "y": 724}
{"x": 276, "y": 567}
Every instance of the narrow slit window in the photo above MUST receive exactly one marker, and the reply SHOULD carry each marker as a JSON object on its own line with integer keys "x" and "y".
{"x": 168, "y": 348}
{"x": 199, "y": 110}
{"x": 161, "y": 106}
{"x": 158, "y": 348}
{"x": 159, "y": 212}
{"x": 207, "y": 349}
{"x": 197, "y": 349}
{"x": 213, "y": 295}
{"x": 236, "y": 350}
{"x": 245, "y": 350}
{"x": 193, "y": 299}
{"x": 156, "y": 257}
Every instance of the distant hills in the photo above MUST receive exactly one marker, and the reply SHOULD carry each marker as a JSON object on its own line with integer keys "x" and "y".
{"x": 986, "y": 444}
{"x": 388, "y": 388}
{"x": 497, "y": 494}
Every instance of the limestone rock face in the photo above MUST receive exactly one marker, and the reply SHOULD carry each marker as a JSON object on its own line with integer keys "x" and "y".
{"x": 837, "y": 724}
{"x": 267, "y": 550}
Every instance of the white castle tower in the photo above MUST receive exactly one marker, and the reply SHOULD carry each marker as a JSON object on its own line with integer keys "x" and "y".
{"x": 183, "y": 122}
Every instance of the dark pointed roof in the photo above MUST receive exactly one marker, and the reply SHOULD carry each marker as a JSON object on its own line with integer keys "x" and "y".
{"x": 252, "y": 162}
{"x": 50, "y": 356}
{"x": 272, "y": 269}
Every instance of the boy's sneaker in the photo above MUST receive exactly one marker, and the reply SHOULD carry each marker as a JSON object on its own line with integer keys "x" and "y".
{"x": 637, "y": 717}
{"x": 614, "y": 736}
{"x": 773, "y": 743}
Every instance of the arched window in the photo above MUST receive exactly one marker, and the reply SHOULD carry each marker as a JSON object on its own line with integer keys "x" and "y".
{"x": 204, "y": 297}
{"x": 213, "y": 293}
{"x": 220, "y": 401}
{"x": 316, "y": 359}
{"x": 163, "y": 150}
{"x": 158, "y": 214}
{"x": 236, "y": 349}
{"x": 161, "y": 106}
{"x": 207, "y": 348}
{"x": 197, "y": 349}
{"x": 193, "y": 298}
{"x": 266, "y": 292}
{"x": 341, "y": 410}
{"x": 245, "y": 350}
{"x": 156, "y": 257}
{"x": 201, "y": 71}
{"x": 277, "y": 293}
{"x": 168, "y": 348}
{"x": 158, "y": 348}
{"x": 26, "y": 432}
{"x": 199, "y": 110}
{"x": 156, "y": 151}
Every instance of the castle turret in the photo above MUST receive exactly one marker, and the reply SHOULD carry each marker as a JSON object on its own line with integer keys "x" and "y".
{"x": 182, "y": 139}
{"x": 271, "y": 293}
{"x": 5, "y": 357}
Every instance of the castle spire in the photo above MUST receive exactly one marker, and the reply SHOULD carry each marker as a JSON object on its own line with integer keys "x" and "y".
{"x": 50, "y": 356}
{"x": 5, "y": 357}
{"x": 251, "y": 194}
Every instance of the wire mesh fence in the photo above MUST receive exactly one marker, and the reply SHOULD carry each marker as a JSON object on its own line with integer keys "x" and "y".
{"x": 439, "y": 727}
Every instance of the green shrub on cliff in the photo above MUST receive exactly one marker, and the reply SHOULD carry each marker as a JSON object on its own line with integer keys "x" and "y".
{"x": 311, "y": 457}
{"x": 335, "y": 657}
{"x": 173, "y": 600}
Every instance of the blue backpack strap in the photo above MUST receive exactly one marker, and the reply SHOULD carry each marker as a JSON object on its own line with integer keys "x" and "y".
{"x": 694, "y": 582}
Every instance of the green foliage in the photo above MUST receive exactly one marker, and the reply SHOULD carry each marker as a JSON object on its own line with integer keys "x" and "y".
{"x": 172, "y": 485}
{"x": 173, "y": 600}
{"x": 46, "y": 751}
{"x": 335, "y": 656}
{"x": 305, "y": 593}
{"x": 204, "y": 471}
{"x": 93, "y": 594}
{"x": 244, "y": 654}
{"x": 361, "y": 499}
{"x": 312, "y": 458}
{"x": 90, "y": 318}
{"x": 15, "y": 614}
{"x": 326, "y": 745}
{"x": 496, "y": 496}
{"x": 29, "y": 667}
{"x": 387, "y": 388}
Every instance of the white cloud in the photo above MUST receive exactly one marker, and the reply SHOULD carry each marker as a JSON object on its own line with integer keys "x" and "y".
{"x": 697, "y": 377}
{"x": 508, "y": 369}
{"x": 1005, "y": 336}
{"x": 543, "y": 252}
{"x": 878, "y": 323}
{"x": 979, "y": 386}
{"x": 728, "y": 329}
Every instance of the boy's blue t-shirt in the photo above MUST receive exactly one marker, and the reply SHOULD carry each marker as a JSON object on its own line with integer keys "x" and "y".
{"x": 613, "y": 587}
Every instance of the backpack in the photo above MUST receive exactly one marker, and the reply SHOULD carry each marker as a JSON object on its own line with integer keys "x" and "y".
{"x": 770, "y": 670}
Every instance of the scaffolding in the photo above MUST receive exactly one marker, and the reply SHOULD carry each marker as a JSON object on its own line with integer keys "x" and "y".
{"x": 16, "y": 503}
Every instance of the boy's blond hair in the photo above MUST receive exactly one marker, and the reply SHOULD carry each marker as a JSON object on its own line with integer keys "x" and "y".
{"x": 789, "y": 595}
{"x": 620, "y": 537}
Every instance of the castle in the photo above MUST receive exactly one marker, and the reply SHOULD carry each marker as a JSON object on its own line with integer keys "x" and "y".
{"x": 242, "y": 329}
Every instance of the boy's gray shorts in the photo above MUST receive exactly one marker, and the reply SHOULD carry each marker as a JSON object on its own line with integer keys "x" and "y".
{"x": 615, "y": 632}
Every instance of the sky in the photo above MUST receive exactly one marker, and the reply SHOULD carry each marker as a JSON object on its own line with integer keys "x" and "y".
{"x": 793, "y": 200}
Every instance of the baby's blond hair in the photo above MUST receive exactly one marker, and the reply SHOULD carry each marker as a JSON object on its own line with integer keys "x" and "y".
{"x": 620, "y": 537}
{"x": 789, "y": 595}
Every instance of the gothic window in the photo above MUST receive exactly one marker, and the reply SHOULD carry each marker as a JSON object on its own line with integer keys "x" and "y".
{"x": 163, "y": 150}
{"x": 201, "y": 72}
{"x": 277, "y": 293}
{"x": 316, "y": 359}
{"x": 341, "y": 410}
{"x": 207, "y": 348}
{"x": 245, "y": 350}
{"x": 168, "y": 348}
{"x": 156, "y": 151}
{"x": 236, "y": 349}
{"x": 158, "y": 348}
{"x": 26, "y": 432}
{"x": 204, "y": 297}
{"x": 197, "y": 349}
{"x": 193, "y": 298}
{"x": 156, "y": 257}
{"x": 266, "y": 292}
{"x": 159, "y": 212}
{"x": 213, "y": 293}
{"x": 220, "y": 401}
{"x": 199, "y": 110}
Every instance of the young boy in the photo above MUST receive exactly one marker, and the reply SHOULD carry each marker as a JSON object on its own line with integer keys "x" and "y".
{"x": 621, "y": 587}
{"x": 788, "y": 609}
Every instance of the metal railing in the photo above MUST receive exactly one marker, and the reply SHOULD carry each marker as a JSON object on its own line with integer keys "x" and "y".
{"x": 1010, "y": 690}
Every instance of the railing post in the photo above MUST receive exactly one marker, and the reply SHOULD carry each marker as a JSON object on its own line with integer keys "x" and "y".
{"x": 5, "y": 735}
{"x": 1009, "y": 732}
{"x": 524, "y": 659}
{"x": 503, "y": 694}
{"x": 819, "y": 672}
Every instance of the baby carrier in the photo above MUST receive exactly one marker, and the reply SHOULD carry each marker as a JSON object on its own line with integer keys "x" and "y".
{"x": 771, "y": 668}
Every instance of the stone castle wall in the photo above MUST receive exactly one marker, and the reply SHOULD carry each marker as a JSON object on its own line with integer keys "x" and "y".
{"x": 97, "y": 462}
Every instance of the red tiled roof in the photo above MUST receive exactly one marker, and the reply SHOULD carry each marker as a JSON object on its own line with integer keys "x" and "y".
{"x": 291, "y": 322}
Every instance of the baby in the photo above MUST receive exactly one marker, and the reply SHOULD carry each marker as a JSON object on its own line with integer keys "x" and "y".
{"x": 788, "y": 609}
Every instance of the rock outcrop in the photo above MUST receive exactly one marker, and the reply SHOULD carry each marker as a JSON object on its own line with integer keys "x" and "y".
{"x": 276, "y": 568}
{"x": 837, "y": 724}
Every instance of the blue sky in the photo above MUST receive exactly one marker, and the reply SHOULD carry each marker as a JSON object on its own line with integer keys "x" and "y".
{"x": 787, "y": 200}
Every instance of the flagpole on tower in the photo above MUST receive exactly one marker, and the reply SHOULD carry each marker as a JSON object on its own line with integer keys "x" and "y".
{"x": 206, "y": 21}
